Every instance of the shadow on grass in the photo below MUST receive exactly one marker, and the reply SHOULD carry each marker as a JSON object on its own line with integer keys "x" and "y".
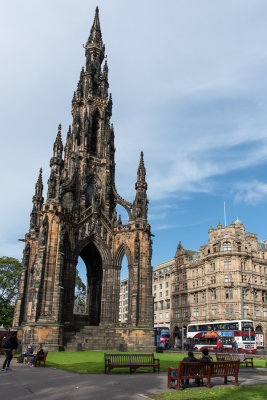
{"x": 93, "y": 368}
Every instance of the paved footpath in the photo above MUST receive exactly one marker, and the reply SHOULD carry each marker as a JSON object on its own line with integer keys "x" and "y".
{"x": 25, "y": 383}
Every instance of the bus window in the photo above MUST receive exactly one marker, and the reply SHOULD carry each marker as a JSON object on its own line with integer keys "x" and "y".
{"x": 246, "y": 325}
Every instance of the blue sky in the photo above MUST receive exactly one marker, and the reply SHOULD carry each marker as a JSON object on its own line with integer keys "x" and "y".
{"x": 189, "y": 86}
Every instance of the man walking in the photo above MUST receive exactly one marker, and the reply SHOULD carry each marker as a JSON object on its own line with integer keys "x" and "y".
{"x": 10, "y": 343}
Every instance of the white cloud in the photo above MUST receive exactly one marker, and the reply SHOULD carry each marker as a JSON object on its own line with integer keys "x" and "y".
{"x": 251, "y": 192}
{"x": 189, "y": 87}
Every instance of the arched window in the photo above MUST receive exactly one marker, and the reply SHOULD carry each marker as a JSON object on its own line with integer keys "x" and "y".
{"x": 124, "y": 290}
{"x": 227, "y": 246}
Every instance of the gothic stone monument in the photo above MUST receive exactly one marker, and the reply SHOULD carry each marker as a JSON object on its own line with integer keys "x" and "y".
{"x": 79, "y": 219}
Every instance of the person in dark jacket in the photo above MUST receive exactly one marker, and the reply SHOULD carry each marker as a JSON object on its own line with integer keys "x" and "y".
{"x": 205, "y": 356}
{"x": 38, "y": 356}
{"x": 189, "y": 359}
{"x": 10, "y": 343}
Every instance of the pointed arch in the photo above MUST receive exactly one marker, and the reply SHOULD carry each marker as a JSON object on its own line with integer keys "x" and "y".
{"x": 101, "y": 246}
{"x": 123, "y": 250}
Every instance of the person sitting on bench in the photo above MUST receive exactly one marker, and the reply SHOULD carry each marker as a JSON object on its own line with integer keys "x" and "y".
{"x": 40, "y": 353}
{"x": 26, "y": 354}
{"x": 190, "y": 358}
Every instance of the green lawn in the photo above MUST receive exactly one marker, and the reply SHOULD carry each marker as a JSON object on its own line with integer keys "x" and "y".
{"x": 229, "y": 393}
{"x": 92, "y": 362}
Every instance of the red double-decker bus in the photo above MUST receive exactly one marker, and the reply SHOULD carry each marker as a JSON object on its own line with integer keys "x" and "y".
{"x": 204, "y": 335}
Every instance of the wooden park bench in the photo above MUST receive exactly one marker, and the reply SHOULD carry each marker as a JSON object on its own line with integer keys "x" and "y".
{"x": 199, "y": 370}
{"x": 40, "y": 359}
{"x": 133, "y": 361}
{"x": 248, "y": 361}
{"x": 37, "y": 359}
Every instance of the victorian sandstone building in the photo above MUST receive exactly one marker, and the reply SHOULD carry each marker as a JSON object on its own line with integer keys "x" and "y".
{"x": 225, "y": 280}
{"x": 79, "y": 218}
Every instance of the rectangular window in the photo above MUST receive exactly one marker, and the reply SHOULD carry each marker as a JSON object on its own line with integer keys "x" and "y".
{"x": 197, "y": 283}
{"x": 213, "y": 295}
{"x": 177, "y": 301}
{"x": 195, "y": 312}
{"x": 255, "y": 280}
{"x": 226, "y": 278}
{"x": 184, "y": 286}
{"x": 203, "y": 311}
{"x": 257, "y": 311}
{"x": 193, "y": 284}
{"x": 167, "y": 315}
{"x": 203, "y": 282}
{"x": 204, "y": 297}
{"x": 177, "y": 314}
{"x": 185, "y": 313}
{"x": 160, "y": 316}
{"x": 184, "y": 299}
{"x": 168, "y": 304}
{"x": 246, "y": 309}
{"x": 167, "y": 293}
{"x": 229, "y": 294}
{"x": 160, "y": 285}
{"x": 155, "y": 306}
{"x": 167, "y": 284}
{"x": 213, "y": 310}
{"x": 196, "y": 298}
{"x": 161, "y": 305}
{"x": 160, "y": 294}
{"x": 227, "y": 264}
{"x": 265, "y": 312}
{"x": 213, "y": 279}
{"x": 155, "y": 287}
{"x": 229, "y": 309}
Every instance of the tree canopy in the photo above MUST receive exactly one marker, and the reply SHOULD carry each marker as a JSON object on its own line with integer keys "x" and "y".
{"x": 10, "y": 269}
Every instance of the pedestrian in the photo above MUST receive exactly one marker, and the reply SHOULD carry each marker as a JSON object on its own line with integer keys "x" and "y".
{"x": 236, "y": 347}
{"x": 233, "y": 346}
{"x": 219, "y": 346}
{"x": 10, "y": 343}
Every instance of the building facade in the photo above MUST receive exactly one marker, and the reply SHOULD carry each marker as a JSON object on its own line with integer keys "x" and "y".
{"x": 162, "y": 287}
{"x": 225, "y": 280}
{"x": 79, "y": 219}
{"x": 123, "y": 310}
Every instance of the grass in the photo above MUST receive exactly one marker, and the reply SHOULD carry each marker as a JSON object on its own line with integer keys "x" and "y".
{"x": 229, "y": 393}
{"x": 92, "y": 362}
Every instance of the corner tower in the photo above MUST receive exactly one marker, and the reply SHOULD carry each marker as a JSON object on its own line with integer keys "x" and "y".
{"x": 79, "y": 219}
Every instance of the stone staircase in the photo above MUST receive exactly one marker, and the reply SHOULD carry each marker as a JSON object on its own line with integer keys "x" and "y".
{"x": 94, "y": 338}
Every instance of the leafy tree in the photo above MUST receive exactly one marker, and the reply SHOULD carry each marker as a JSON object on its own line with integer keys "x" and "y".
{"x": 80, "y": 290}
{"x": 10, "y": 269}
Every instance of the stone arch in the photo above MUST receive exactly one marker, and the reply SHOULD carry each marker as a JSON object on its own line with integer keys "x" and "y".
{"x": 101, "y": 246}
{"x": 123, "y": 250}
{"x": 258, "y": 329}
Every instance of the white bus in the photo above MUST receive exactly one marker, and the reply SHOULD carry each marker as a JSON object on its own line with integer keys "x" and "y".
{"x": 204, "y": 335}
